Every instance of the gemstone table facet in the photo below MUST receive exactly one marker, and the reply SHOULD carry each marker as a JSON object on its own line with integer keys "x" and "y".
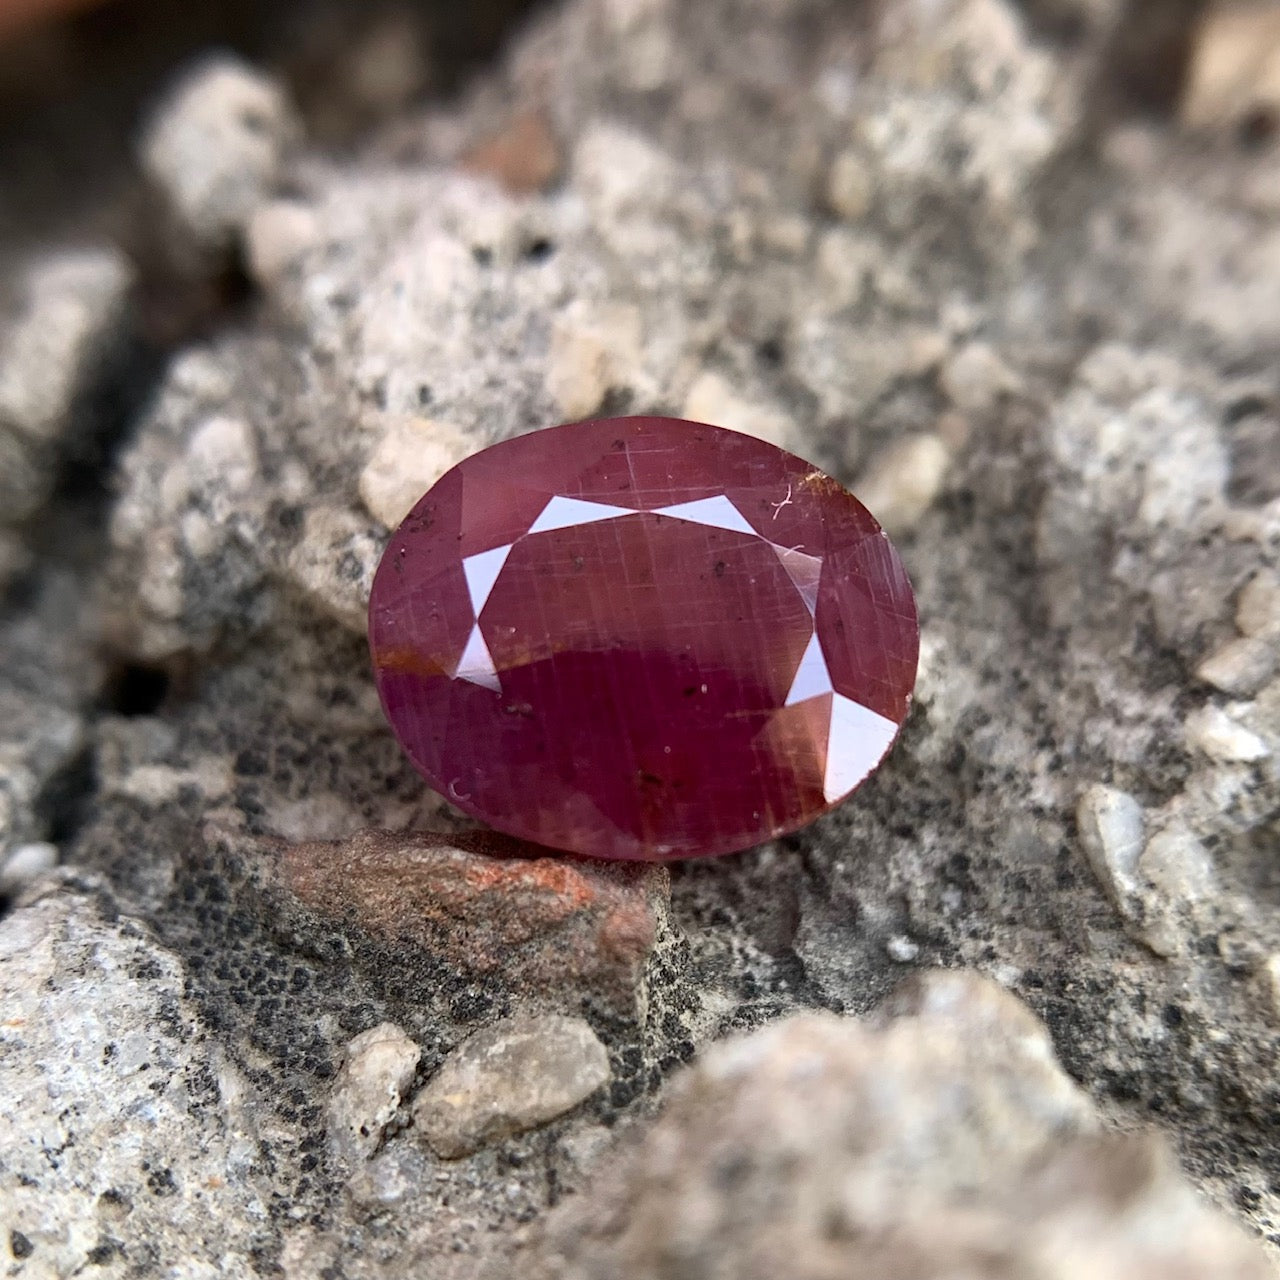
{"x": 642, "y": 638}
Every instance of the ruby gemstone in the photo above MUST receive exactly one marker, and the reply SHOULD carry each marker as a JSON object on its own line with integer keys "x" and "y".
{"x": 642, "y": 638}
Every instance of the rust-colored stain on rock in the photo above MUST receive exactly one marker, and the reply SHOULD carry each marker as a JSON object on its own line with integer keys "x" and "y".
{"x": 525, "y": 157}
{"x": 487, "y": 905}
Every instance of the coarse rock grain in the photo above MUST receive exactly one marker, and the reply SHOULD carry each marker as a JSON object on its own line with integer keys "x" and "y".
{"x": 24, "y": 863}
{"x": 50, "y": 670}
{"x": 975, "y": 378}
{"x": 376, "y": 1071}
{"x": 411, "y": 456}
{"x": 1258, "y": 607}
{"x": 1240, "y": 666}
{"x": 1160, "y": 885}
{"x": 72, "y": 305}
{"x": 277, "y": 236}
{"x": 1111, "y": 833}
{"x": 1214, "y": 731}
{"x": 712, "y": 399}
{"x": 941, "y": 1138}
{"x": 70, "y": 318}
{"x": 904, "y": 481}
{"x": 334, "y": 563}
{"x": 215, "y": 146}
{"x": 1234, "y": 72}
{"x": 593, "y": 350}
{"x": 849, "y": 185}
{"x": 515, "y": 1075}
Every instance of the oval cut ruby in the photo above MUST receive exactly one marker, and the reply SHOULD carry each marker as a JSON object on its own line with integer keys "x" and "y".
{"x": 642, "y": 638}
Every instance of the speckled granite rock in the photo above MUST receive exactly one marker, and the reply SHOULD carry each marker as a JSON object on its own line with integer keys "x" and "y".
{"x": 942, "y": 1139}
{"x": 913, "y": 244}
{"x": 129, "y": 1141}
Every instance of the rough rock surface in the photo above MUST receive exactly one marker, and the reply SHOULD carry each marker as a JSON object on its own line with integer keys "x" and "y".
{"x": 129, "y": 1139}
{"x": 918, "y": 243}
{"x": 942, "y": 1139}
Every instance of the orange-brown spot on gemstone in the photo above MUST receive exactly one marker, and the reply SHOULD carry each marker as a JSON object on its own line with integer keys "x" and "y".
{"x": 410, "y": 662}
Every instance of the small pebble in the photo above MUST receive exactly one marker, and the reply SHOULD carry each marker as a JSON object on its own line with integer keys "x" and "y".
{"x": 378, "y": 1068}
{"x": 1258, "y": 606}
{"x": 334, "y": 563}
{"x": 1234, "y": 66}
{"x": 512, "y": 1076}
{"x": 1178, "y": 866}
{"x": 711, "y": 399}
{"x": 411, "y": 456}
{"x": 850, "y": 185}
{"x": 902, "y": 949}
{"x": 1213, "y": 731}
{"x": 1240, "y": 667}
{"x": 25, "y": 863}
{"x": 592, "y": 351}
{"x": 277, "y": 237}
{"x": 1111, "y": 824}
{"x": 975, "y": 378}
{"x": 74, "y": 309}
{"x": 1271, "y": 983}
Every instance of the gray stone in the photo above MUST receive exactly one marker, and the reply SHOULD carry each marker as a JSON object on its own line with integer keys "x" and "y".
{"x": 72, "y": 309}
{"x": 376, "y": 1071}
{"x": 24, "y": 863}
{"x": 334, "y": 563}
{"x": 215, "y": 146}
{"x": 73, "y": 305}
{"x": 50, "y": 668}
{"x": 942, "y": 1138}
{"x": 1111, "y": 830}
{"x": 515, "y": 1075}
{"x": 1214, "y": 731}
{"x": 1258, "y": 607}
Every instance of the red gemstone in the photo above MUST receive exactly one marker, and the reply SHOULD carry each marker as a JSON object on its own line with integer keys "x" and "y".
{"x": 642, "y": 638}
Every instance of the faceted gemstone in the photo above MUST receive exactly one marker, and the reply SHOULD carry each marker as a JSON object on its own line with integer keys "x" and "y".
{"x": 642, "y": 638}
